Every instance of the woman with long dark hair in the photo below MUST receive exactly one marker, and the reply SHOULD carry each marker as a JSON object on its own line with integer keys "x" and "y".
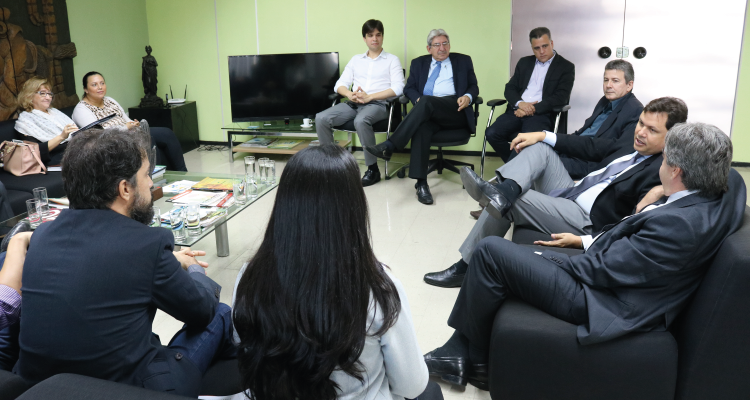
{"x": 318, "y": 317}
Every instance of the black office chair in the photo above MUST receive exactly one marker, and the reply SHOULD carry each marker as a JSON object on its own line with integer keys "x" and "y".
{"x": 386, "y": 126}
{"x": 562, "y": 115}
{"x": 445, "y": 138}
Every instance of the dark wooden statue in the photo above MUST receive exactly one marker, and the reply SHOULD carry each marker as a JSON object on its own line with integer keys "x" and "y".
{"x": 151, "y": 99}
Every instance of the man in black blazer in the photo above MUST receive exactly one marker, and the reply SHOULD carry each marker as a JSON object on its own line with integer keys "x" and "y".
{"x": 536, "y": 191}
{"x": 96, "y": 275}
{"x": 540, "y": 83}
{"x": 442, "y": 87}
{"x": 635, "y": 276}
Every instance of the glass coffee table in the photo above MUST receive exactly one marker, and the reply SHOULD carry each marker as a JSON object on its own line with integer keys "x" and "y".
{"x": 219, "y": 226}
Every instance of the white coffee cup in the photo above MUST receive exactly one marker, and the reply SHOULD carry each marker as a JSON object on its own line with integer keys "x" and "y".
{"x": 307, "y": 121}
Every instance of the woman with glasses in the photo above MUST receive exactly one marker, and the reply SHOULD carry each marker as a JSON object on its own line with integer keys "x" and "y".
{"x": 42, "y": 123}
{"x": 317, "y": 316}
{"x": 96, "y": 105}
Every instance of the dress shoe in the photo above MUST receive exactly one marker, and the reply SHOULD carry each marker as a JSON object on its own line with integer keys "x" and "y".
{"x": 370, "y": 177}
{"x": 449, "y": 369}
{"x": 21, "y": 226}
{"x": 423, "y": 193}
{"x": 380, "y": 150}
{"x": 477, "y": 213}
{"x": 485, "y": 193}
{"x": 477, "y": 376}
{"x": 447, "y": 278}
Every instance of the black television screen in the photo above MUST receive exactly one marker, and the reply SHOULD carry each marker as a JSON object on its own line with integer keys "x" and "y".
{"x": 277, "y": 86}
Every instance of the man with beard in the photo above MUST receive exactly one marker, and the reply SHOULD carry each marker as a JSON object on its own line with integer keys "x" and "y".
{"x": 94, "y": 277}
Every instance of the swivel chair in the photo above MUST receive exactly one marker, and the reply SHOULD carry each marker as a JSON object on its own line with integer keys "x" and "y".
{"x": 562, "y": 115}
{"x": 445, "y": 138}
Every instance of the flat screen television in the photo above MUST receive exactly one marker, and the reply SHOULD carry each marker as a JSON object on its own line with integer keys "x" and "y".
{"x": 279, "y": 86}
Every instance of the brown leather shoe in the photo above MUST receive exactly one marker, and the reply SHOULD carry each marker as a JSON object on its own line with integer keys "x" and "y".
{"x": 477, "y": 213}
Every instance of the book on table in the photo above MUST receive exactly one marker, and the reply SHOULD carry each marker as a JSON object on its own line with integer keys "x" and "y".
{"x": 258, "y": 142}
{"x": 284, "y": 144}
{"x": 215, "y": 184}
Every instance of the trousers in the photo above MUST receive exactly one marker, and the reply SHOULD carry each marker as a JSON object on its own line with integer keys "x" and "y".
{"x": 507, "y": 126}
{"x": 500, "y": 268}
{"x": 364, "y": 116}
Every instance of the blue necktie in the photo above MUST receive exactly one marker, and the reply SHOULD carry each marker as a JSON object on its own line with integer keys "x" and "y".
{"x": 430, "y": 85}
{"x": 589, "y": 181}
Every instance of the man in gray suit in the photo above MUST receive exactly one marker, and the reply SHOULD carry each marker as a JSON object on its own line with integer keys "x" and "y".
{"x": 635, "y": 276}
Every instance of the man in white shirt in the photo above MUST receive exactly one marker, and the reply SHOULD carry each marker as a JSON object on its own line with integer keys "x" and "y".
{"x": 373, "y": 77}
{"x": 536, "y": 192}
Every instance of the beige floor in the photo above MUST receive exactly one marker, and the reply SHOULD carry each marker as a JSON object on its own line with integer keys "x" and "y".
{"x": 411, "y": 238}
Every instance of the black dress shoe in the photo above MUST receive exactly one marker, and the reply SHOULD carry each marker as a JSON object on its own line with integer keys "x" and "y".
{"x": 423, "y": 193}
{"x": 449, "y": 369}
{"x": 21, "y": 226}
{"x": 370, "y": 177}
{"x": 477, "y": 376}
{"x": 446, "y": 278}
{"x": 485, "y": 193}
{"x": 380, "y": 151}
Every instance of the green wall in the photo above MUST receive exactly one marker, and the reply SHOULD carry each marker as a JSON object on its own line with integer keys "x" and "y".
{"x": 192, "y": 39}
{"x": 110, "y": 36}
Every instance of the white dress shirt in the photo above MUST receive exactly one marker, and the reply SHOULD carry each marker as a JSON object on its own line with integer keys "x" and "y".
{"x": 586, "y": 199}
{"x": 444, "y": 85}
{"x": 533, "y": 91}
{"x": 373, "y": 75}
{"x": 588, "y": 240}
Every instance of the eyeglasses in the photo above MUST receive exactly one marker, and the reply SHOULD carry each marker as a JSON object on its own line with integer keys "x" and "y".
{"x": 46, "y": 94}
{"x": 437, "y": 45}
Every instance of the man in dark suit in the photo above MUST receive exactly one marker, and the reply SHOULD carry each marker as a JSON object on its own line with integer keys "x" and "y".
{"x": 535, "y": 190}
{"x": 614, "y": 118}
{"x": 95, "y": 276}
{"x": 540, "y": 83}
{"x": 442, "y": 87}
{"x": 635, "y": 276}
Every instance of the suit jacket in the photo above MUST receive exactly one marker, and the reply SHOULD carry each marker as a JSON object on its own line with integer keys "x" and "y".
{"x": 92, "y": 282}
{"x": 558, "y": 83}
{"x": 464, "y": 81}
{"x": 619, "y": 199}
{"x": 616, "y": 131}
{"x": 641, "y": 271}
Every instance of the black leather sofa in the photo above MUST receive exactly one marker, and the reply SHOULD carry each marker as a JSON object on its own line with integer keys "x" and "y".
{"x": 704, "y": 355}
{"x": 20, "y": 188}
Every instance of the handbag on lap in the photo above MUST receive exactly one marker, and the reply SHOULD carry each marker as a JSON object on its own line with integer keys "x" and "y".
{"x": 21, "y": 158}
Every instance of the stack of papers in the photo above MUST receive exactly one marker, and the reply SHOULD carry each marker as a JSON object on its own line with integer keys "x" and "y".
{"x": 178, "y": 187}
{"x": 257, "y": 142}
{"x": 158, "y": 172}
{"x": 205, "y": 199}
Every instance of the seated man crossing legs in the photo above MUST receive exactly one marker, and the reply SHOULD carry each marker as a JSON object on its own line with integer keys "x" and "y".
{"x": 529, "y": 190}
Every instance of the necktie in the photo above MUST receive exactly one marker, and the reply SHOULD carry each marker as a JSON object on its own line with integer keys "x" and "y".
{"x": 430, "y": 85}
{"x": 590, "y": 180}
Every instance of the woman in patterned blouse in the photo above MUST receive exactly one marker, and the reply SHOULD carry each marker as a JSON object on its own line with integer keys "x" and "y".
{"x": 96, "y": 105}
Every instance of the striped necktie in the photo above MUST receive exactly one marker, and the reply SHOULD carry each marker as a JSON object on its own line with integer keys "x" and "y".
{"x": 589, "y": 181}
{"x": 430, "y": 85}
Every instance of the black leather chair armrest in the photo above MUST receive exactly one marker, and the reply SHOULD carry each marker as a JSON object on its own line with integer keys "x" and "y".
{"x": 392, "y": 99}
{"x": 479, "y": 100}
{"x": 403, "y": 99}
{"x": 334, "y": 96}
{"x": 496, "y": 102}
{"x": 561, "y": 109}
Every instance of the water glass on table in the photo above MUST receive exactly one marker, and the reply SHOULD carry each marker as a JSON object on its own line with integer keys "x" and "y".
{"x": 193, "y": 219}
{"x": 34, "y": 212}
{"x": 271, "y": 171}
{"x": 263, "y": 168}
{"x": 176, "y": 219}
{"x": 156, "y": 219}
{"x": 40, "y": 195}
{"x": 250, "y": 169}
{"x": 239, "y": 190}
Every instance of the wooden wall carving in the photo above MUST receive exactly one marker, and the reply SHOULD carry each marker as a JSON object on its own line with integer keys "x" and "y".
{"x": 35, "y": 40}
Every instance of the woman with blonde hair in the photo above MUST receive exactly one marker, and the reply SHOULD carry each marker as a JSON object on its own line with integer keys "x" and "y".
{"x": 41, "y": 123}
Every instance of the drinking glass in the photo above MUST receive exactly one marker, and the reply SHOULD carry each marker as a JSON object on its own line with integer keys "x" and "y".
{"x": 176, "y": 219}
{"x": 193, "y": 219}
{"x": 156, "y": 219}
{"x": 262, "y": 165}
{"x": 239, "y": 189}
{"x": 34, "y": 212}
{"x": 271, "y": 171}
{"x": 251, "y": 190}
{"x": 40, "y": 195}
{"x": 250, "y": 169}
